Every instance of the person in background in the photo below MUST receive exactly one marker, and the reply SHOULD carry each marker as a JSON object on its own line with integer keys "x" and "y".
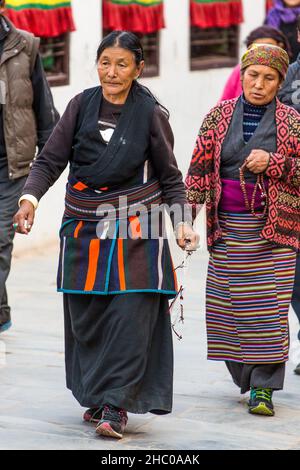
{"x": 118, "y": 142}
{"x": 261, "y": 35}
{"x": 246, "y": 168}
{"x": 290, "y": 95}
{"x": 283, "y": 16}
{"x": 27, "y": 118}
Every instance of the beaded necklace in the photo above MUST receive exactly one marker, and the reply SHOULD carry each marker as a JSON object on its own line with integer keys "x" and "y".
{"x": 260, "y": 184}
{"x": 252, "y": 117}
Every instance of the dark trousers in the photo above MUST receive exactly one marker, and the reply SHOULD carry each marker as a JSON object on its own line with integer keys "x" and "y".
{"x": 296, "y": 291}
{"x": 10, "y": 191}
{"x": 246, "y": 376}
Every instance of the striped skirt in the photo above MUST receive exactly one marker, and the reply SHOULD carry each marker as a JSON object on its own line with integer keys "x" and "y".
{"x": 249, "y": 289}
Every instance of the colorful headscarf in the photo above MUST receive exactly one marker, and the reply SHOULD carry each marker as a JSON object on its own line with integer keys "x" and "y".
{"x": 266, "y": 54}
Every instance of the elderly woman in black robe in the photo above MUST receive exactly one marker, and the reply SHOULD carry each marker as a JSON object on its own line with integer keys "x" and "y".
{"x": 115, "y": 267}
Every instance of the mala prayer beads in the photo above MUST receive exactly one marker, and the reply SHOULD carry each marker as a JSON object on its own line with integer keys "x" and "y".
{"x": 259, "y": 184}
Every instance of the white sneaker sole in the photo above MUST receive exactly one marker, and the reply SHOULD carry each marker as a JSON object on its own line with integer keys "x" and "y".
{"x": 104, "y": 429}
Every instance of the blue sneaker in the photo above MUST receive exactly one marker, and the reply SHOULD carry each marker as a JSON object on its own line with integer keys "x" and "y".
{"x": 5, "y": 326}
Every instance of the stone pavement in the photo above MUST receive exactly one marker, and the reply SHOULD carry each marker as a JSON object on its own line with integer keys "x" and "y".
{"x": 37, "y": 412}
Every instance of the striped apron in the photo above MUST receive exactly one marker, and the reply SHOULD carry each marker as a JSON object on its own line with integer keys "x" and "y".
{"x": 249, "y": 289}
{"x": 97, "y": 256}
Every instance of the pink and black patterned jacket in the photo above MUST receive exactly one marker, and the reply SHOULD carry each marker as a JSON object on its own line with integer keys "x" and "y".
{"x": 203, "y": 182}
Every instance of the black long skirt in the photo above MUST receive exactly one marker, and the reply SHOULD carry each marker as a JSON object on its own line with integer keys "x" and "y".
{"x": 119, "y": 351}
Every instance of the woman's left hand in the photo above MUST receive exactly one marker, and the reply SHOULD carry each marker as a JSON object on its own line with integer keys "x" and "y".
{"x": 258, "y": 161}
{"x": 187, "y": 238}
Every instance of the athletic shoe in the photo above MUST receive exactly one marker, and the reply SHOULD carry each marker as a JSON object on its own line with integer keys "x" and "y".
{"x": 112, "y": 422}
{"x": 260, "y": 402}
{"x": 92, "y": 415}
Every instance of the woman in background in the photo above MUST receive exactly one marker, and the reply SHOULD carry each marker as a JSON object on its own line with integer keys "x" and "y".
{"x": 261, "y": 35}
{"x": 283, "y": 16}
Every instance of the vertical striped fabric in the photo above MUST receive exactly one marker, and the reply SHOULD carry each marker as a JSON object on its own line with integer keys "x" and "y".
{"x": 94, "y": 250}
{"x": 249, "y": 288}
{"x": 92, "y": 263}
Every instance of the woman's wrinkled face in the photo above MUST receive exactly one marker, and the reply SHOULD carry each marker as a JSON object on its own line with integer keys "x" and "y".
{"x": 117, "y": 69}
{"x": 260, "y": 84}
{"x": 292, "y": 3}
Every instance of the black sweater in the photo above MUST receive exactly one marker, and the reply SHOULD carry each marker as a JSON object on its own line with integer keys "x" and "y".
{"x": 56, "y": 154}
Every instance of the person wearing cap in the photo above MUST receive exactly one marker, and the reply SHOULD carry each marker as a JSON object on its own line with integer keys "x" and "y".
{"x": 261, "y": 35}
{"x": 246, "y": 168}
{"x": 27, "y": 118}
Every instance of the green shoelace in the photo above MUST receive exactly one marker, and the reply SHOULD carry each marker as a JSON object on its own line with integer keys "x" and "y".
{"x": 261, "y": 393}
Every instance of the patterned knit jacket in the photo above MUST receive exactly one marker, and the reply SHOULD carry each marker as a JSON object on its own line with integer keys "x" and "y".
{"x": 203, "y": 180}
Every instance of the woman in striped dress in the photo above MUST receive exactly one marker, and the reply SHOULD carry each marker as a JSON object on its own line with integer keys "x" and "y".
{"x": 245, "y": 167}
{"x": 115, "y": 268}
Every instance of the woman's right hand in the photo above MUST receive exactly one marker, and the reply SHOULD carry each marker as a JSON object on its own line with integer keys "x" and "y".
{"x": 24, "y": 218}
{"x": 186, "y": 237}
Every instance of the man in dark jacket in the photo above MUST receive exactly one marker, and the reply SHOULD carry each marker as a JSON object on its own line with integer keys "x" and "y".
{"x": 27, "y": 118}
{"x": 290, "y": 95}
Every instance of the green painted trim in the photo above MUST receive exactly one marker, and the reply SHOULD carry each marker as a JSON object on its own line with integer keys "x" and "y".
{"x": 135, "y": 2}
{"x": 216, "y": 1}
{"x": 39, "y": 6}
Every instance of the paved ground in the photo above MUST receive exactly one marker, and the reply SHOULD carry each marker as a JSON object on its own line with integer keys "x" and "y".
{"x": 37, "y": 412}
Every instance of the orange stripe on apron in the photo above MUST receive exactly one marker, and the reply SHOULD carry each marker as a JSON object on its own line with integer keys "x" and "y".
{"x": 94, "y": 251}
{"x": 80, "y": 186}
{"x": 121, "y": 265}
{"x": 78, "y": 227}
